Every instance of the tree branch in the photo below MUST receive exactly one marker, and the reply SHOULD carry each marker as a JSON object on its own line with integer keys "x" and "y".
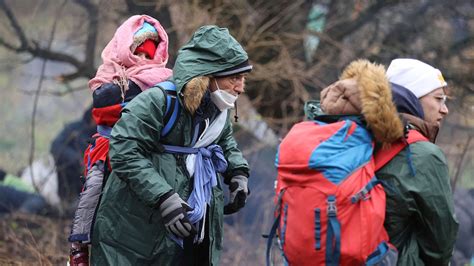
{"x": 11, "y": 17}
{"x": 7, "y": 45}
{"x": 461, "y": 44}
{"x": 84, "y": 68}
{"x": 55, "y": 92}
{"x": 46, "y": 53}
{"x": 460, "y": 168}
{"x": 341, "y": 30}
{"x": 36, "y": 99}
{"x": 85, "y": 71}
{"x": 93, "y": 14}
{"x": 394, "y": 41}
{"x": 149, "y": 7}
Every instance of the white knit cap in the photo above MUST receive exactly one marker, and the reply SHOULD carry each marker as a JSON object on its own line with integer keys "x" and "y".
{"x": 418, "y": 77}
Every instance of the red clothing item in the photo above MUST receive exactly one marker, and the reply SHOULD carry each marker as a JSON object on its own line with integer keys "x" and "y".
{"x": 148, "y": 47}
{"x": 99, "y": 148}
{"x": 107, "y": 116}
{"x": 96, "y": 151}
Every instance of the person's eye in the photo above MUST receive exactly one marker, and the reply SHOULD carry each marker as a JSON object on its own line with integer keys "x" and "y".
{"x": 441, "y": 98}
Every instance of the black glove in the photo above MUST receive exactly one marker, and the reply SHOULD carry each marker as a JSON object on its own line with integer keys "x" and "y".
{"x": 173, "y": 210}
{"x": 238, "y": 194}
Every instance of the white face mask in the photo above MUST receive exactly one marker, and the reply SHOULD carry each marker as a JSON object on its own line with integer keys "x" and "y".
{"x": 222, "y": 99}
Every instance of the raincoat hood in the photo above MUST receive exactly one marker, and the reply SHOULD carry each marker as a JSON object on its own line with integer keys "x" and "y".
{"x": 210, "y": 50}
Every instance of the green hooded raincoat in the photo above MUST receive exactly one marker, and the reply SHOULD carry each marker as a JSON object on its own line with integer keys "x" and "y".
{"x": 420, "y": 217}
{"x": 128, "y": 229}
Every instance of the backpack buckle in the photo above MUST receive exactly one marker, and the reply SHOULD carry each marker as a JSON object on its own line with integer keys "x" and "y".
{"x": 332, "y": 209}
{"x": 363, "y": 194}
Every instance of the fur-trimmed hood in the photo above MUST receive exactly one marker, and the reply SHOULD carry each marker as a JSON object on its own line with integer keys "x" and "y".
{"x": 364, "y": 89}
{"x": 210, "y": 50}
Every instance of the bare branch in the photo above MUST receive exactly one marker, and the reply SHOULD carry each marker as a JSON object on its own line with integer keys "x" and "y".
{"x": 48, "y": 54}
{"x": 19, "y": 31}
{"x": 32, "y": 47}
{"x": 55, "y": 92}
{"x": 160, "y": 12}
{"x": 141, "y": 7}
{"x": 36, "y": 99}
{"x": 93, "y": 14}
{"x": 461, "y": 44}
{"x": 8, "y": 45}
{"x": 341, "y": 30}
{"x": 460, "y": 168}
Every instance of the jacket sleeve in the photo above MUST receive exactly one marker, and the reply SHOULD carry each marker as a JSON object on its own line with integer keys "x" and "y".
{"x": 432, "y": 205}
{"x": 237, "y": 165}
{"x": 87, "y": 204}
{"x": 134, "y": 138}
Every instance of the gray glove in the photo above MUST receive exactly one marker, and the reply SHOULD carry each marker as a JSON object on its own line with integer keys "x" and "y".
{"x": 173, "y": 210}
{"x": 238, "y": 194}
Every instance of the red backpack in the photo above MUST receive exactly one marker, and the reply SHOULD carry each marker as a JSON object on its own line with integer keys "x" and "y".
{"x": 330, "y": 205}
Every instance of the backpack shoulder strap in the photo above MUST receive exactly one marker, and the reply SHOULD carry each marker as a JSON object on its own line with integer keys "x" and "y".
{"x": 382, "y": 157}
{"x": 172, "y": 106}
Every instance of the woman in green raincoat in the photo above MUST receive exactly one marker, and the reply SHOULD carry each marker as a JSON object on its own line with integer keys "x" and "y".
{"x": 160, "y": 205}
{"x": 420, "y": 218}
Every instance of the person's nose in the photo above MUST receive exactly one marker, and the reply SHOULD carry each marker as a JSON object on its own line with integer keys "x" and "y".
{"x": 240, "y": 86}
{"x": 444, "y": 109}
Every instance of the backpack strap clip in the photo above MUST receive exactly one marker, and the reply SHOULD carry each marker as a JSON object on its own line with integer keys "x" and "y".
{"x": 363, "y": 194}
{"x": 332, "y": 209}
{"x": 333, "y": 239}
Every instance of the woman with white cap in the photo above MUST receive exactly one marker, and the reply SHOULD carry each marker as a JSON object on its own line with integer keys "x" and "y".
{"x": 420, "y": 217}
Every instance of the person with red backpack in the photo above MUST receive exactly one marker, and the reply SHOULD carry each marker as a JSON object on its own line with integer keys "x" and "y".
{"x": 420, "y": 217}
{"x": 133, "y": 61}
{"x": 331, "y": 205}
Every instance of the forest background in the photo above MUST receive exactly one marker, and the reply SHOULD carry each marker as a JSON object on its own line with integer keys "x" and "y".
{"x": 49, "y": 49}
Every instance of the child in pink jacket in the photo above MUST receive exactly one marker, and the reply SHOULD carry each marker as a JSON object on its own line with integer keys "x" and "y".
{"x": 133, "y": 61}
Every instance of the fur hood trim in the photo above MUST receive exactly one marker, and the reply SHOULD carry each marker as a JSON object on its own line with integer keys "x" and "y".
{"x": 194, "y": 91}
{"x": 376, "y": 99}
{"x": 364, "y": 89}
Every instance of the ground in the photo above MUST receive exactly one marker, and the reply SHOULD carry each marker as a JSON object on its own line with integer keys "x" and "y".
{"x": 27, "y": 239}
{"x": 33, "y": 240}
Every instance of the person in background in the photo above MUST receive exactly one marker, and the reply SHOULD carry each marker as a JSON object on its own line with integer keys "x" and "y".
{"x": 420, "y": 217}
{"x": 163, "y": 203}
{"x": 133, "y": 61}
{"x": 18, "y": 196}
{"x": 67, "y": 149}
{"x": 464, "y": 248}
